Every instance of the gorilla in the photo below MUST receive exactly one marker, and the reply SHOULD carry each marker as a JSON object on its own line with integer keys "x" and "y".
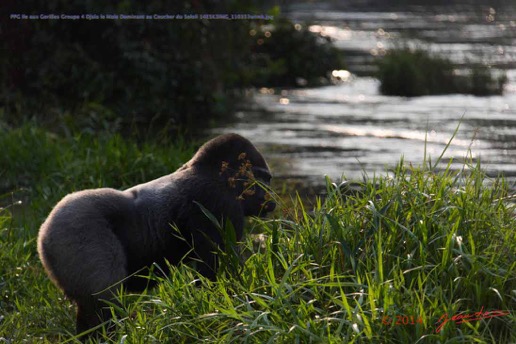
{"x": 96, "y": 240}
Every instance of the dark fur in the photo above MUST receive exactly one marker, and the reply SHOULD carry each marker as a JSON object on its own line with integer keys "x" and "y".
{"x": 93, "y": 239}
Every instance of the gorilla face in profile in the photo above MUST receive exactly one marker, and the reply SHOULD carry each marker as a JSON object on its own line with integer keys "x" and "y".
{"x": 93, "y": 239}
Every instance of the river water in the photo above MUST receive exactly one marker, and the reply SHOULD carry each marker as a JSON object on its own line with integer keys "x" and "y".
{"x": 349, "y": 130}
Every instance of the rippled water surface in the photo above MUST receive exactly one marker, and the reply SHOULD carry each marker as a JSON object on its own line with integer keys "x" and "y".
{"x": 351, "y": 129}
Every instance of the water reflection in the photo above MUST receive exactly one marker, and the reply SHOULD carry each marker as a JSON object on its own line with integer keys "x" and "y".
{"x": 351, "y": 130}
{"x": 465, "y": 33}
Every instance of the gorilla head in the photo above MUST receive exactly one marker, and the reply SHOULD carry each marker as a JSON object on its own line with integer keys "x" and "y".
{"x": 242, "y": 167}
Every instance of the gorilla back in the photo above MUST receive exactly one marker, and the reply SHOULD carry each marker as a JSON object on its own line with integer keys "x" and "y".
{"x": 94, "y": 239}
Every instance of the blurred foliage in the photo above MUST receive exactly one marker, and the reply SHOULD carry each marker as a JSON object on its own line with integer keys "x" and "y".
{"x": 481, "y": 81}
{"x": 406, "y": 72}
{"x": 132, "y": 72}
{"x": 129, "y": 75}
{"x": 290, "y": 55}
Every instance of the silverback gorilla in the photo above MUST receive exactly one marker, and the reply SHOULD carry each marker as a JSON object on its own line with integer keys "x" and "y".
{"x": 93, "y": 239}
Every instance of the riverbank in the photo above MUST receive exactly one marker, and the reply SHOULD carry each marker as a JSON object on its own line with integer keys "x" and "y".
{"x": 394, "y": 262}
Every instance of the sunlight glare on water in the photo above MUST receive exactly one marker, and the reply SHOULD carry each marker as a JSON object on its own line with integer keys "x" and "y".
{"x": 350, "y": 129}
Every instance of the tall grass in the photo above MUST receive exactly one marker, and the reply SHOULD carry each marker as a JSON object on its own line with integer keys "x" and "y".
{"x": 418, "y": 243}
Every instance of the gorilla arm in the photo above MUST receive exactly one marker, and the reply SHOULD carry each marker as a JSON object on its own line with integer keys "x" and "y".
{"x": 180, "y": 197}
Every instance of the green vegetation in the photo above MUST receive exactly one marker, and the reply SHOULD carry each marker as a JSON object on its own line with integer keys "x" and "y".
{"x": 419, "y": 244}
{"x": 133, "y": 74}
{"x": 410, "y": 73}
{"x": 130, "y": 72}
